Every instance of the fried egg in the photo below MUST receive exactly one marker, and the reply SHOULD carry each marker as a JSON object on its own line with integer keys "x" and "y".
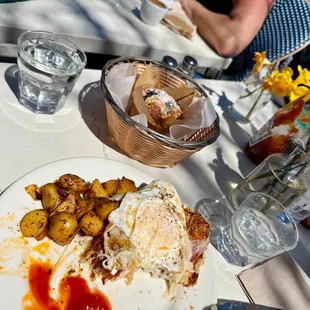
{"x": 148, "y": 231}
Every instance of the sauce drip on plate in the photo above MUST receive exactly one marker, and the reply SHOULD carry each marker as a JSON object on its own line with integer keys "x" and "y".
{"x": 74, "y": 292}
{"x": 79, "y": 296}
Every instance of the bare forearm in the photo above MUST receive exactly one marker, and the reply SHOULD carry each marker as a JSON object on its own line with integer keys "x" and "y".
{"x": 216, "y": 29}
{"x": 229, "y": 34}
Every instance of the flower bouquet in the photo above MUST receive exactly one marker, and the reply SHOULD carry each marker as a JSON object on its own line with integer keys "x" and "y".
{"x": 269, "y": 79}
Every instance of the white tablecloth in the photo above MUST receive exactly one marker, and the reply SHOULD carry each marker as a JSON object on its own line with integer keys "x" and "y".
{"x": 209, "y": 173}
{"x": 103, "y": 27}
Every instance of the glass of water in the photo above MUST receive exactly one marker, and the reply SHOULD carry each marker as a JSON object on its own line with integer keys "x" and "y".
{"x": 259, "y": 229}
{"x": 49, "y": 66}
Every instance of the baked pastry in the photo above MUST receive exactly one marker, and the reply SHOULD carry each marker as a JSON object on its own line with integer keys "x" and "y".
{"x": 160, "y": 105}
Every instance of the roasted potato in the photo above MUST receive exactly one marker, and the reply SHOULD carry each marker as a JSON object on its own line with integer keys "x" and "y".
{"x": 63, "y": 192}
{"x": 34, "y": 223}
{"x": 62, "y": 227}
{"x": 104, "y": 207}
{"x": 34, "y": 191}
{"x": 91, "y": 224}
{"x": 110, "y": 187}
{"x": 83, "y": 206}
{"x": 41, "y": 236}
{"x": 96, "y": 190}
{"x": 72, "y": 183}
{"x": 126, "y": 185}
{"x": 50, "y": 197}
{"x": 68, "y": 204}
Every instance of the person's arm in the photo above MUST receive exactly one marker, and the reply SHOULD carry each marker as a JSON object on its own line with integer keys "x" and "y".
{"x": 229, "y": 34}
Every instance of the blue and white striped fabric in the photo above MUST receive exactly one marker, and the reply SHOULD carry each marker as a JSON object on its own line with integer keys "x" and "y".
{"x": 286, "y": 29}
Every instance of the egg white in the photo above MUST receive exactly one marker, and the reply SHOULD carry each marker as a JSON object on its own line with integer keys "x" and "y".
{"x": 153, "y": 219}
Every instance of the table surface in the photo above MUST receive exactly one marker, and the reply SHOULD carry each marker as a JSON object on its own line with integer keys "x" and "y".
{"x": 103, "y": 27}
{"x": 209, "y": 173}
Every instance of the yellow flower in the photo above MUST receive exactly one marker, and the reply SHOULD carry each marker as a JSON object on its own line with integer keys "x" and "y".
{"x": 288, "y": 72}
{"x": 303, "y": 77}
{"x": 298, "y": 92}
{"x": 260, "y": 60}
{"x": 281, "y": 88}
{"x": 269, "y": 80}
{"x": 280, "y": 83}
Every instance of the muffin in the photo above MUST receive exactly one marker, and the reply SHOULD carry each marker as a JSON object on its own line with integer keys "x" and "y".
{"x": 160, "y": 105}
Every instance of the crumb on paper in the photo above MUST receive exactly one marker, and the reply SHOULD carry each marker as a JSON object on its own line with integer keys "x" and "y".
{"x": 191, "y": 308}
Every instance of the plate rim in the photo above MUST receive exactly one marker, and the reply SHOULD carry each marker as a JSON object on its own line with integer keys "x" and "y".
{"x": 6, "y": 191}
{"x": 68, "y": 159}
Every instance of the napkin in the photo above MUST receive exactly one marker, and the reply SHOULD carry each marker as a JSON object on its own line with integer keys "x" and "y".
{"x": 177, "y": 20}
{"x": 277, "y": 283}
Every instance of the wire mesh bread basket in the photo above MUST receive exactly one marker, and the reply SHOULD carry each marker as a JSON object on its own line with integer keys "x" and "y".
{"x": 144, "y": 144}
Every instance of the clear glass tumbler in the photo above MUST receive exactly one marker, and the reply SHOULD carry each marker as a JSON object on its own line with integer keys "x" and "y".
{"x": 49, "y": 66}
{"x": 260, "y": 228}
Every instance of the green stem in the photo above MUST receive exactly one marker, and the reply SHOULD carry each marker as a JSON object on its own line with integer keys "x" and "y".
{"x": 253, "y": 107}
{"x": 250, "y": 93}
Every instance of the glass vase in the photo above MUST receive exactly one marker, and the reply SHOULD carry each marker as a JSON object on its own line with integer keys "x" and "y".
{"x": 253, "y": 98}
{"x": 284, "y": 177}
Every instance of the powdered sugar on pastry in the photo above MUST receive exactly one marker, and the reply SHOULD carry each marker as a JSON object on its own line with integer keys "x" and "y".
{"x": 160, "y": 104}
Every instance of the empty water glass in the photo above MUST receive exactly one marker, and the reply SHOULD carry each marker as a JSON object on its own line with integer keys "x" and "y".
{"x": 259, "y": 229}
{"x": 49, "y": 66}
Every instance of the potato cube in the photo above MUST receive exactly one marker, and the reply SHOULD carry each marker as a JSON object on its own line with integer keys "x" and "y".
{"x": 110, "y": 187}
{"x": 96, "y": 190}
{"x": 91, "y": 224}
{"x": 83, "y": 206}
{"x": 34, "y": 191}
{"x": 126, "y": 185}
{"x": 104, "y": 207}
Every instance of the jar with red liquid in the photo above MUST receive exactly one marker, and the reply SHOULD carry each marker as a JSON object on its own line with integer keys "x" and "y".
{"x": 292, "y": 120}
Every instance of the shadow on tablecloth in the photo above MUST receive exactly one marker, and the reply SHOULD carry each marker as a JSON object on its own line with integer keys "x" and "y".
{"x": 93, "y": 112}
{"x": 231, "y": 133}
{"x": 64, "y": 119}
{"x": 11, "y": 77}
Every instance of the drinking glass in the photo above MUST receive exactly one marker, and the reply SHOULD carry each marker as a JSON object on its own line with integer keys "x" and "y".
{"x": 260, "y": 228}
{"x": 49, "y": 66}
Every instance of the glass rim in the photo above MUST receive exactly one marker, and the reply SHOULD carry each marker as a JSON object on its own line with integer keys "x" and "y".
{"x": 286, "y": 213}
{"x": 32, "y": 60}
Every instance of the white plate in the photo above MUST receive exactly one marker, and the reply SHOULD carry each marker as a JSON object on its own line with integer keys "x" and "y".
{"x": 144, "y": 293}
